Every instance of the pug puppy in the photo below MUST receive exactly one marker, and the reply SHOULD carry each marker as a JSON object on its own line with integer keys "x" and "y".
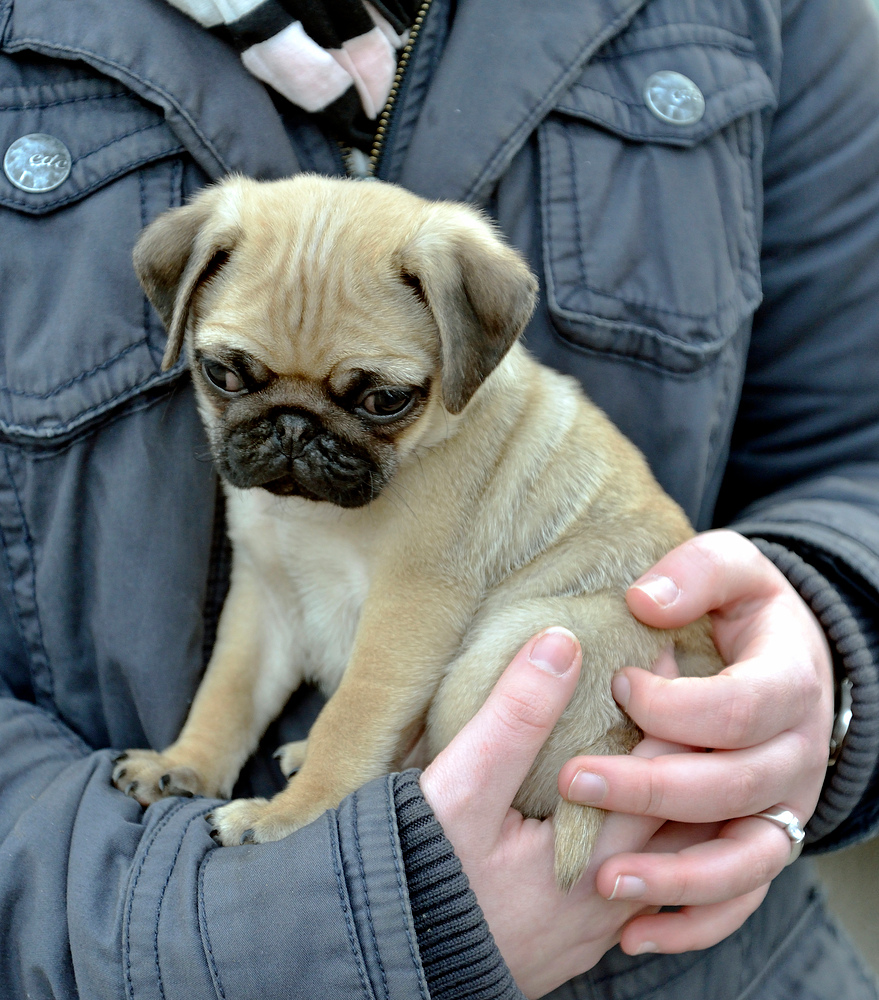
{"x": 410, "y": 497}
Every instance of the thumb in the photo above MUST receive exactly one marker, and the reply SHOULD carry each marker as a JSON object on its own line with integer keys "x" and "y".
{"x": 714, "y": 571}
{"x": 489, "y": 758}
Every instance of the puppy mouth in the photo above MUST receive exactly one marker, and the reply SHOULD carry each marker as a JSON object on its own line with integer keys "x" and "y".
{"x": 292, "y": 456}
{"x": 341, "y": 494}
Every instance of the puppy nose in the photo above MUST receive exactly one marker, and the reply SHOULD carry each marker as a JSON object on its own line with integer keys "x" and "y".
{"x": 293, "y": 430}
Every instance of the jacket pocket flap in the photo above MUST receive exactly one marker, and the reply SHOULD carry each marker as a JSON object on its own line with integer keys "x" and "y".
{"x": 106, "y": 130}
{"x": 721, "y": 82}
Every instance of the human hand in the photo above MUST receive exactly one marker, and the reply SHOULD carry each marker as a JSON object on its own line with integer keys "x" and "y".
{"x": 546, "y": 936}
{"x": 767, "y": 717}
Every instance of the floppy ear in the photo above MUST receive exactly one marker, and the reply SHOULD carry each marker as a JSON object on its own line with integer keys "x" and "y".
{"x": 179, "y": 251}
{"x": 479, "y": 290}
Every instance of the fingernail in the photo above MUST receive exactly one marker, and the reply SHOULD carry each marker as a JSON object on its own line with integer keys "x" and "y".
{"x": 621, "y": 690}
{"x": 646, "y": 948}
{"x": 628, "y": 887}
{"x": 662, "y": 590}
{"x": 587, "y": 788}
{"x": 555, "y": 651}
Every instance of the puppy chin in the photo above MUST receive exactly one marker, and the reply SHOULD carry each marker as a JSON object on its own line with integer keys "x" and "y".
{"x": 345, "y": 495}
{"x": 354, "y": 483}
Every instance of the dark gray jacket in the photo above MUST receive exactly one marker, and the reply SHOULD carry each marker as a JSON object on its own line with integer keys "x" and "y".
{"x": 715, "y": 287}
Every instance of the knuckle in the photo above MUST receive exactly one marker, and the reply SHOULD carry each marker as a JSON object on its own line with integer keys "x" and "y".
{"x": 738, "y": 719}
{"x": 744, "y": 787}
{"x": 653, "y": 792}
{"x": 525, "y": 713}
{"x": 763, "y": 868}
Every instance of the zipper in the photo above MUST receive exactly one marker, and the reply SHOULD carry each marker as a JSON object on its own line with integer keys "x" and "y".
{"x": 381, "y": 132}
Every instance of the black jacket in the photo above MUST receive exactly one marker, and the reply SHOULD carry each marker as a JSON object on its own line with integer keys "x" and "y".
{"x": 713, "y": 283}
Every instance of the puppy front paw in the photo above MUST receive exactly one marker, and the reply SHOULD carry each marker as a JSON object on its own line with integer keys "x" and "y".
{"x": 149, "y": 776}
{"x": 291, "y": 757}
{"x": 258, "y": 821}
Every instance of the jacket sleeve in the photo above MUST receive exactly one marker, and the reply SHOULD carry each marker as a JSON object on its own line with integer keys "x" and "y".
{"x": 803, "y": 474}
{"x": 102, "y": 899}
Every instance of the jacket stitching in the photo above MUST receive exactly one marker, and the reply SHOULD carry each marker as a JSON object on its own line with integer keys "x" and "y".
{"x": 687, "y": 134}
{"x": 392, "y": 830}
{"x": 129, "y": 991}
{"x": 574, "y": 314}
{"x": 578, "y": 209}
{"x": 203, "y": 928}
{"x": 369, "y": 922}
{"x": 11, "y": 572}
{"x": 58, "y": 439}
{"x": 27, "y": 206}
{"x": 119, "y": 138}
{"x": 161, "y": 985}
{"x": 29, "y": 545}
{"x": 41, "y": 106}
{"x": 346, "y": 909}
{"x": 528, "y": 124}
{"x": 77, "y": 378}
{"x": 125, "y": 71}
{"x": 739, "y": 45}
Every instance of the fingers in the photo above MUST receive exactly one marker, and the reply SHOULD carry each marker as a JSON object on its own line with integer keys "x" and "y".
{"x": 690, "y": 929}
{"x": 717, "y": 569}
{"x": 727, "y": 711}
{"x": 488, "y": 760}
{"x": 733, "y": 861}
{"x": 690, "y": 788}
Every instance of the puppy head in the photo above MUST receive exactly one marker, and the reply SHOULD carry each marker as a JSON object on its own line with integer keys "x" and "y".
{"x": 331, "y": 326}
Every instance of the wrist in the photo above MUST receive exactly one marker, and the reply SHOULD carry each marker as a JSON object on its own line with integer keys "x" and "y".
{"x": 457, "y": 950}
{"x": 854, "y": 740}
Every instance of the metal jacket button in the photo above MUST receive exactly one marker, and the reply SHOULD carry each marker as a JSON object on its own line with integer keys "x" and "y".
{"x": 674, "y": 98}
{"x": 37, "y": 162}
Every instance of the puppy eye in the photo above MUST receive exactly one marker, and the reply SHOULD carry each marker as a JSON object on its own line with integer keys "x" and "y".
{"x": 225, "y": 379}
{"x": 385, "y": 404}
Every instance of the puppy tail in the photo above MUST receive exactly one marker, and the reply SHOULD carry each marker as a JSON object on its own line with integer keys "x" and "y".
{"x": 576, "y": 831}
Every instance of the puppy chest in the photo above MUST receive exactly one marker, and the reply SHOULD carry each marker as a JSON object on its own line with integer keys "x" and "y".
{"x": 315, "y": 580}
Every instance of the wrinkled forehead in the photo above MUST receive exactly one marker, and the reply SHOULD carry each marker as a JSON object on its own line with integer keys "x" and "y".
{"x": 317, "y": 301}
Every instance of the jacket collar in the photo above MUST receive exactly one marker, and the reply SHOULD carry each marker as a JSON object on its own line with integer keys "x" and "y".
{"x": 466, "y": 135}
{"x": 462, "y": 142}
{"x": 222, "y": 115}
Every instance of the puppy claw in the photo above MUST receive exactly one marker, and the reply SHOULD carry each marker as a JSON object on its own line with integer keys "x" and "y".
{"x": 256, "y": 821}
{"x": 148, "y": 776}
{"x": 119, "y": 757}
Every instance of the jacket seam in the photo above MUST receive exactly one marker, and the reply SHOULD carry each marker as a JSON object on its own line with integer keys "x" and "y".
{"x": 140, "y": 397}
{"x": 32, "y": 573}
{"x": 164, "y": 888}
{"x": 401, "y": 892}
{"x": 203, "y": 930}
{"x": 362, "y": 872}
{"x": 41, "y": 105}
{"x": 740, "y": 45}
{"x": 531, "y": 120}
{"x": 119, "y": 138}
{"x": 346, "y": 908}
{"x": 166, "y": 819}
{"x": 77, "y": 378}
{"x": 700, "y": 131}
{"x": 42, "y": 45}
{"x": 52, "y": 206}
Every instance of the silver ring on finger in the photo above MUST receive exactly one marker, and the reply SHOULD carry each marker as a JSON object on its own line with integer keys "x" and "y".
{"x": 791, "y": 826}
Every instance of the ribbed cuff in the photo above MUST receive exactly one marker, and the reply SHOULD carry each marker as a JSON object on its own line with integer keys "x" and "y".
{"x": 458, "y": 953}
{"x": 855, "y": 654}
